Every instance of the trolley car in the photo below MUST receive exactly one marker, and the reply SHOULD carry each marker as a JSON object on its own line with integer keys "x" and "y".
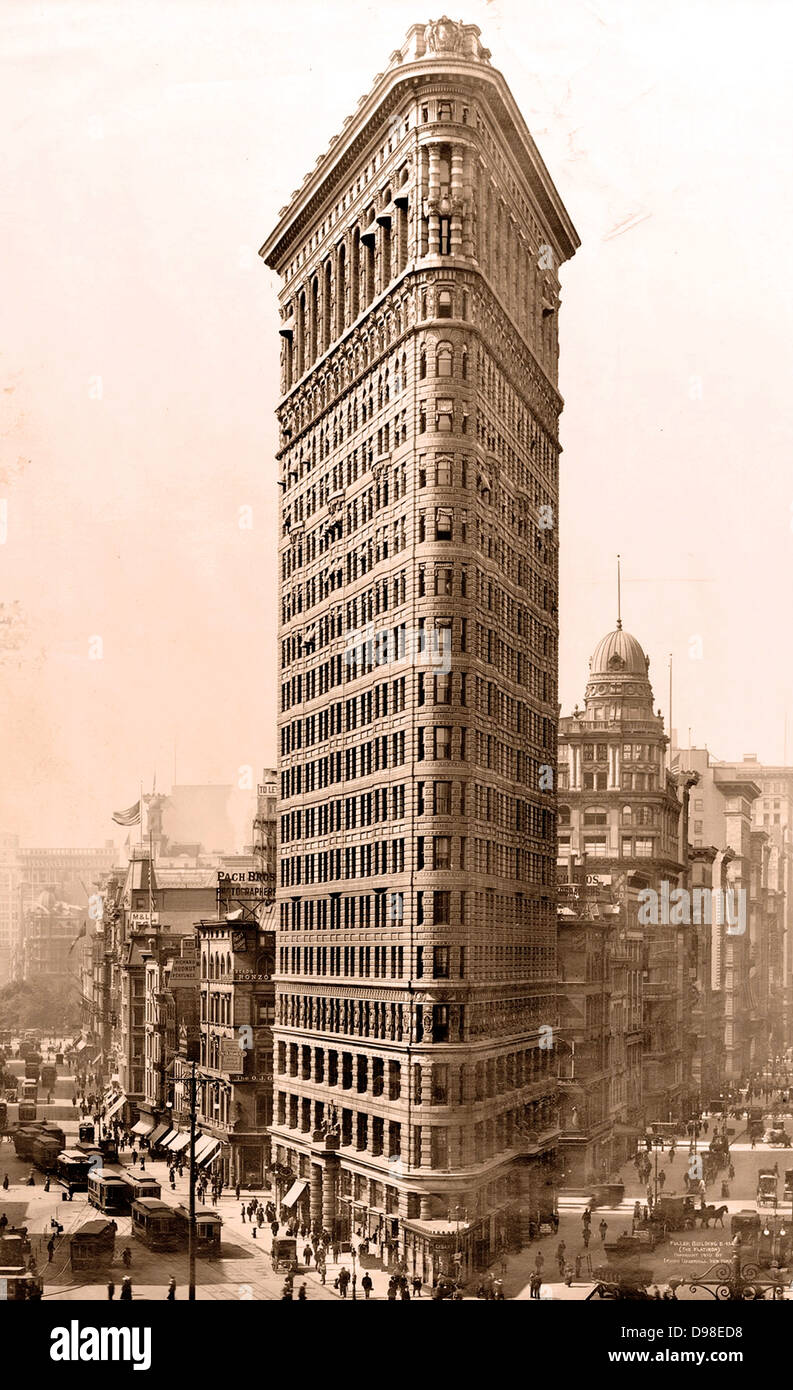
{"x": 73, "y": 1170}
{"x": 93, "y": 1246}
{"x": 208, "y": 1228}
{"x": 142, "y": 1185}
{"x": 108, "y": 1191}
{"x": 154, "y": 1223}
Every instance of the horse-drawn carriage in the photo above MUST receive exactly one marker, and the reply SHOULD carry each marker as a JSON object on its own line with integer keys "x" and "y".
{"x": 674, "y": 1213}
{"x": 284, "y": 1253}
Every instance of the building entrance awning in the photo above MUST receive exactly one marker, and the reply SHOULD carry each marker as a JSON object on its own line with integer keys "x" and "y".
{"x": 143, "y": 1127}
{"x": 115, "y": 1106}
{"x": 158, "y": 1135}
{"x": 295, "y": 1193}
{"x": 210, "y": 1152}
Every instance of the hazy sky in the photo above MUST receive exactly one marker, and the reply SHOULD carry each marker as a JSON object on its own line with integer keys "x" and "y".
{"x": 148, "y": 148}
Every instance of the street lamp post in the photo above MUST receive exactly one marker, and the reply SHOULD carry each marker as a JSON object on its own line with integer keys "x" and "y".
{"x": 191, "y": 1233}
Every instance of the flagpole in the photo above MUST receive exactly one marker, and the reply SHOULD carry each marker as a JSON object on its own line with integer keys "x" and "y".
{"x": 140, "y": 808}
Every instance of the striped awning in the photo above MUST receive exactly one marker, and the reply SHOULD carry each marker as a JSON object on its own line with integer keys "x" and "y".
{"x": 115, "y": 1106}
{"x": 179, "y": 1142}
{"x": 158, "y": 1136}
{"x": 142, "y": 1127}
{"x": 209, "y": 1153}
{"x": 296, "y": 1191}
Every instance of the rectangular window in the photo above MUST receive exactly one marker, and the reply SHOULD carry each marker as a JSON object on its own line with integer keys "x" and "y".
{"x": 440, "y": 962}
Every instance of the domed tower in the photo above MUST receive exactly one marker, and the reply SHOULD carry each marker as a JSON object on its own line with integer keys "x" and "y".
{"x": 618, "y": 820}
{"x": 616, "y": 745}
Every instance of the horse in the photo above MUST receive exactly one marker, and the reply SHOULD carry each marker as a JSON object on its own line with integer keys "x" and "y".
{"x": 707, "y": 1214}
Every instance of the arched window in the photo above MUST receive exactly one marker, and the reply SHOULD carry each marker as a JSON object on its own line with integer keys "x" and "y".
{"x": 211, "y": 967}
{"x": 627, "y": 815}
{"x": 444, "y": 360}
{"x": 341, "y": 291}
{"x": 228, "y": 964}
{"x": 444, "y": 310}
{"x": 422, "y": 365}
{"x": 464, "y": 364}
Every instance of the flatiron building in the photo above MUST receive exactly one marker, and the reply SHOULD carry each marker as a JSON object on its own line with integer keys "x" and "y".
{"x": 415, "y": 1092}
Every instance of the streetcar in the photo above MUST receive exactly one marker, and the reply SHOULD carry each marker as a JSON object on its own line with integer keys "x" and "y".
{"x": 154, "y": 1223}
{"x": 20, "y": 1284}
{"x": 208, "y": 1227}
{"x": 74, "y": 1168}
{"x": 44, "y": 1152}
{"x": 26, "y": 1134}
{"x": 141, "y": 1185}
{"x": 92, "y": 1247}
{"x": 48, "y": 1076}
{"x": 108, "y": 1191}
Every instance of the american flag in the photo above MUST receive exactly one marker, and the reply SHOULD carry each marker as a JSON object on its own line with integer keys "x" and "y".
{"x": 130, "y": 817}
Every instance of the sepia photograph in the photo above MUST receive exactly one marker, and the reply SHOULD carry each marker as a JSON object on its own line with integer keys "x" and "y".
{"x": 396, "y": 735}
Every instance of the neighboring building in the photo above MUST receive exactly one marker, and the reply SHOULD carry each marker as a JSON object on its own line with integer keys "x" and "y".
{"x": 773, "y": 816}
{"x": 158, "y": 905}
{"x": 236, "y": 1061}
{"x": 418, "y": 449}
{"x": 51, "y": 930}
{"x": 71, "y": 873}
{"x": 619, "y": 822}
{"x": 600, "y": 1030}
{"x": 722, "y": 819}
{"x": 9, "y": 903}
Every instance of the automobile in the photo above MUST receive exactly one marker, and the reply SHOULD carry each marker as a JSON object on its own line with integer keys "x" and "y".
{"x": 745, "y": 1223}
{"x": 766, "y": 1187}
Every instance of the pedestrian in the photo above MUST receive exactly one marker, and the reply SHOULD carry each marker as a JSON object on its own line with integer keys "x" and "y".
{"x": 661, "y": 1179}
{"x": 366, "y": 1284}
{"x": 539, "y": 1261}
{"x": 323, "y": 1272}
{"x": 405, "y": 1294}
{"x": 301, "y": 1293}
{"x": 307, "y": 1252}
{"x": 126, "y": 1290}
{"x": 578, "y": 1262}
{"x": 417, "y": 1286}
{"x": 50, "y": 1250}
{"x": 5, "y": 1182}
{"x": 535, "y": 1283}
{"x": 111, "y": 1289}
{"x": 586, "y": 1237}
{"x": 603, "y": 1228}
{"x": 172, "y": 1181}
{"x": 171, "y": 1294}
{"x": 243, "y": 1216}
{"x": 134, "y": 1157}
{"x": 567, "y": 1275}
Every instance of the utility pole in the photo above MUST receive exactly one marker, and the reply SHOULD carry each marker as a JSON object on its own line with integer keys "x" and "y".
{"x": 191, "y": 1226}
